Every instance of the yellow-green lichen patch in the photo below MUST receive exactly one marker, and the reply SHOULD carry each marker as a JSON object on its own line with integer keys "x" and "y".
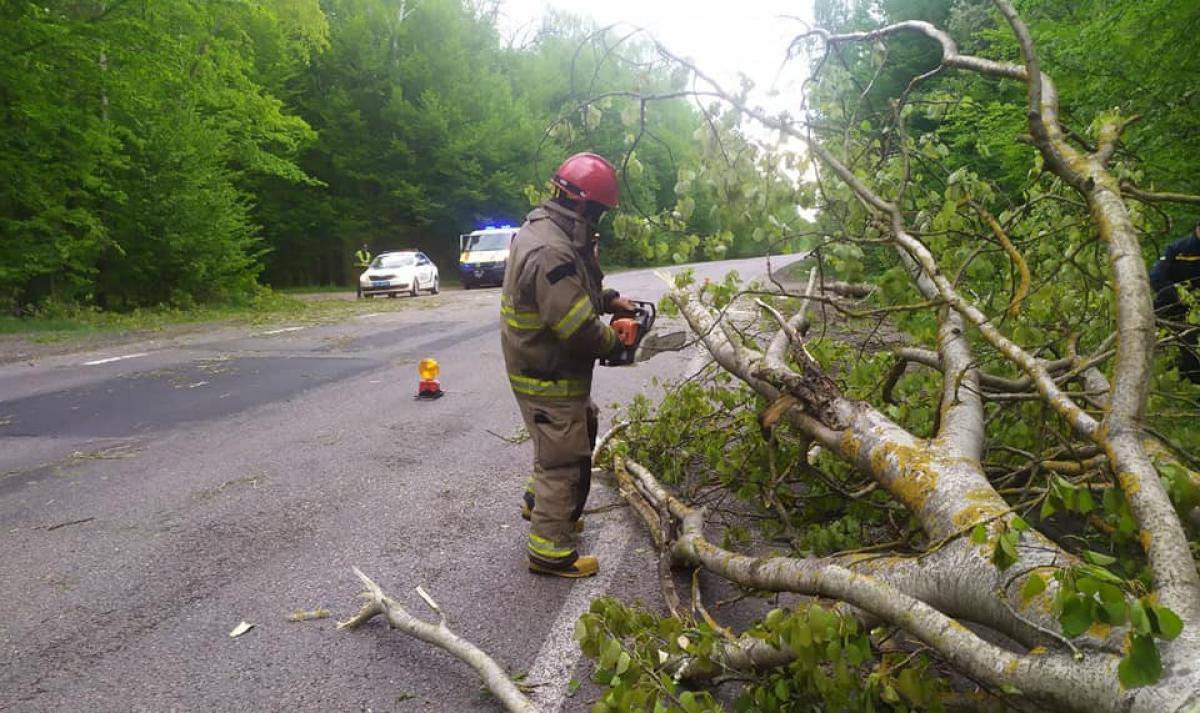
{"x": 912, "y": 479}
{"x": 1146, "y": 538}
{"x": 1129, "y": 483}
{"x": 914, "y": 486}
{"x": 851, "y": 445}
{"x": 976, "y": 513}
{"x": 873, "y": 564}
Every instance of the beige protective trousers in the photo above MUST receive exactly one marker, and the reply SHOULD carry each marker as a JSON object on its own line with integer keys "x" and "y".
{"x": 563, "y": 432}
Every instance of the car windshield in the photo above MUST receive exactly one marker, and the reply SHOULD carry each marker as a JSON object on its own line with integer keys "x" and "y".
{"x": 488, "y": 241}
{"x": 389, "y": 261}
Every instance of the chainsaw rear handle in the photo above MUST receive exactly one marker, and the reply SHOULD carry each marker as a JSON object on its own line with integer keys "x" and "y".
{"x": 631, "y": 327}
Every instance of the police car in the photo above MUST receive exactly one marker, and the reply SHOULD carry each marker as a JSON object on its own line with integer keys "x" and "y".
{"x": 404, "y": 271}
{"x": 483, "y": 255}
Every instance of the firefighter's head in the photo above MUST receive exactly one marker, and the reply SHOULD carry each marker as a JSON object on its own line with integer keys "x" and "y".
{"x": 587, "y": 183}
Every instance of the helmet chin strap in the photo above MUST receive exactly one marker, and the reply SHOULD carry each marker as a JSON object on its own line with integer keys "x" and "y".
{"x": 582, "y": 211}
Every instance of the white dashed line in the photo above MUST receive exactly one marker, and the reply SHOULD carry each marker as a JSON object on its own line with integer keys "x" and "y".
{"x": 112, "y": 359}
{"x": 559, "y": 654}
{"x": 281, "y": 331}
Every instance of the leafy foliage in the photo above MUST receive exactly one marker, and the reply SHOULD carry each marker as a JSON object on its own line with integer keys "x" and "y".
{"x": 1025, "y": 250}
{"x": 171, "y": 153}
{"x": 643, "y": 661}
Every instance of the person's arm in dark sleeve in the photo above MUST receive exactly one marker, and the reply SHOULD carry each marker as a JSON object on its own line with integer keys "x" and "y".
{"x": 566, "y": 309}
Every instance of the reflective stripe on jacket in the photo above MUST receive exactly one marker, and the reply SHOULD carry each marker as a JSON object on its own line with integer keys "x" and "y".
{"x": 550, "y": 306}
{"x": 1179, "y": 265}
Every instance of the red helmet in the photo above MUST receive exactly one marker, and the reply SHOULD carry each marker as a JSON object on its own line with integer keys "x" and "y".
{"x": 588, "y": 177}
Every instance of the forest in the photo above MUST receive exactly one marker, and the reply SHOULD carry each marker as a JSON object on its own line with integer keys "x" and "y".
{"x": 186, "y": 152}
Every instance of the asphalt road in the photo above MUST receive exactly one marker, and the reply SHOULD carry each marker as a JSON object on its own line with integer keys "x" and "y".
{"x": 154, "y": 495}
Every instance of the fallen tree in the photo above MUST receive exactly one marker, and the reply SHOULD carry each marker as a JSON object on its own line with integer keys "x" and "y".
{"x": 1062, "y": 613}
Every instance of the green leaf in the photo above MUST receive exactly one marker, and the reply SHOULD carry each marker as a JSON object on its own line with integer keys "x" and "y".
{"x": 1169, "y": 625}
{"x": 774, "y": 618}
{"x": 1099, "y": 573}
{"x": 1005, "y": 553}
{"x": 1098, "y": 558}
{"x": 979, "y": 534}
{"x": 622, "y": 663}
{"x": 1141, "y": 665}
{"x": 1087, "y": 585}
{"x": 1138, "y": 618}
{"x": 611, "y": 651}
{"x": 1076, "y": 617}
{"x": 1086, "y": 504}
{"x": 1034, "y": 586}
{"x": 1112, "y": 605}
{"x": 781, "y": 689}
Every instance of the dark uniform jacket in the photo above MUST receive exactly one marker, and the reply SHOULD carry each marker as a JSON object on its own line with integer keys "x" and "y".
{"x": 1180, "y": 264}
{"x": 550, "y": 331}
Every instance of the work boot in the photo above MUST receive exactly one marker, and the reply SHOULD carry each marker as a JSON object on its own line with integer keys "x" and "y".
{"x": 584, "y": 566}
{"x": 527, "y": 514}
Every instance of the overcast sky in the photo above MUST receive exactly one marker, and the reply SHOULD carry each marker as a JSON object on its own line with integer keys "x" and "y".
{"x": 723, "y": 38}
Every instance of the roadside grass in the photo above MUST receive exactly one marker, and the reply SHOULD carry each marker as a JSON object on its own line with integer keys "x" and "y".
{"x": 313, "y": 289}
{"x": 63, "y": 323}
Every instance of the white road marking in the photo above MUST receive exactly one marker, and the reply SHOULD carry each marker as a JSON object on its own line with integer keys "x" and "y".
{"x": 372, "y": 314}
{"x": 112, "y": 359}
{"x": 559, "y": 652}
{"x": 281, "y": 331}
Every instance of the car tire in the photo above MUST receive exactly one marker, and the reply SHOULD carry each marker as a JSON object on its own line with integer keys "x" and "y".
{"x": 436, "y": 287}
{"x": 393, "y": 295}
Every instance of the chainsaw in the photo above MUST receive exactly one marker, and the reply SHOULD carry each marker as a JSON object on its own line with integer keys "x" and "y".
{"x": 633, "y": 328}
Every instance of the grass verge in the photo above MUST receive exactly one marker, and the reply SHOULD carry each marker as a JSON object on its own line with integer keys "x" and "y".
{"x": 65, "y": 323}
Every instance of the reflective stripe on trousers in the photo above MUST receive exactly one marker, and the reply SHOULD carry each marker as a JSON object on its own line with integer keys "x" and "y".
{"x": 549, "y": 388}
{"x": 561, "y": 431}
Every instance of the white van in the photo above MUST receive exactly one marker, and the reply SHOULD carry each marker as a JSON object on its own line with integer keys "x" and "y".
{"x": 483, "y": 255}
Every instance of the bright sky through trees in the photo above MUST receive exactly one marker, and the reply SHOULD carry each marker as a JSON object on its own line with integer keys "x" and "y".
{"x": 724, "y": 39}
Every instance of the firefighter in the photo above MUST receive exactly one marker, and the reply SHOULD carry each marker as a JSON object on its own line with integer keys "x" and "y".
{"x": 551, "y": 335}
{"x": 1179, "y": 265}
{"x": 362, "y": 260}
